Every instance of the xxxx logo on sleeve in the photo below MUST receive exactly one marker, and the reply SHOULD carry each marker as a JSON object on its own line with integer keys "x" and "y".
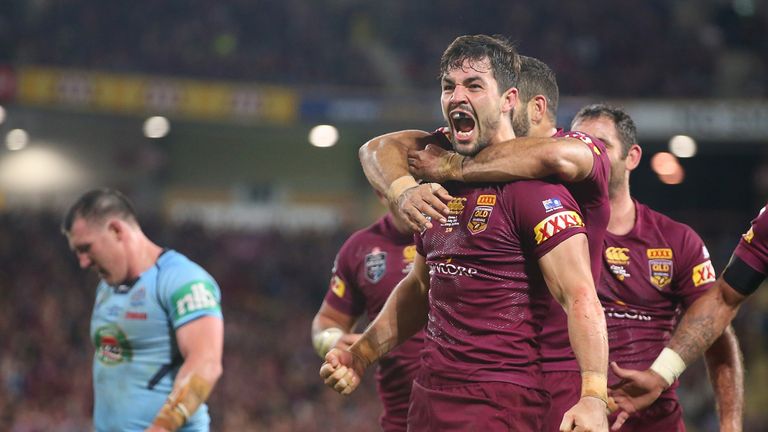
{"x": 703, "y": 273}
{"x": 556, "y": 223}
{"x": 478, "y": 222}
{"x": 338, "y": 287}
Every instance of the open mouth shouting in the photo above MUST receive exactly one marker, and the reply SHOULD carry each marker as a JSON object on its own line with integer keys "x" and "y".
{"x": 463, "y": 126}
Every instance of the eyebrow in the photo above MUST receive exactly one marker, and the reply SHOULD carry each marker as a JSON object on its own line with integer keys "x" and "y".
{"x": 466, "y": 81}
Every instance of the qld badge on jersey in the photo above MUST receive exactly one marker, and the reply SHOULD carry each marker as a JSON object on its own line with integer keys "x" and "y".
{"x": 660, "y": 266}
{"x": 375, "y": 265}
{"x": 478, "y": 222}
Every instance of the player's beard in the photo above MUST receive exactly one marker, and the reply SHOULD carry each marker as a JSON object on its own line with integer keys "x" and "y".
{"x": 520, "y": 123}
{"x": 618, "y": 179}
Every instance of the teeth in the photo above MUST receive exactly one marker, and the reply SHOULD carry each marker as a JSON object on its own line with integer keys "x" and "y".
{"x": 458, "y": 115}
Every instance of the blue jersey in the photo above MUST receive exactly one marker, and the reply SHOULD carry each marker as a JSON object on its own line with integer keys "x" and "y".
{"x": 133, "y": 329}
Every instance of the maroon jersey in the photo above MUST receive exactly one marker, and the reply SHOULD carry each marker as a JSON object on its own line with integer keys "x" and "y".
{"x": 592, "y": 196}
{"x": 753, "y": 246}
{"x": 368, "y": 267}
{"x": 651, "y": 273}
{"x": 487, "y": 296}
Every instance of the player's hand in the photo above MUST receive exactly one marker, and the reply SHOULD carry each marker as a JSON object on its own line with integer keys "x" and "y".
{"x": 420, "y": 204}
{"x": 588, "y": 415}
{"x": 346, "y": 340}
{"x": 435, "y": 164}
{"x": 342, "y": 370}
{"x": 636, "y": 391}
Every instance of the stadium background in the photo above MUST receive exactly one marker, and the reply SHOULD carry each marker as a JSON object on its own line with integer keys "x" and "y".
{"x": 236, "y": 185}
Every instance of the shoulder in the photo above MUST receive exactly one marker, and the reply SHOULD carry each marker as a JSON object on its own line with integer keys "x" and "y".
{"x": 176, "y": 269}
{"x": 680, "y": 236}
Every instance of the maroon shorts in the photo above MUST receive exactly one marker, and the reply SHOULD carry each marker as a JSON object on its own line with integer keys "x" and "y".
{"x": 395, "y": 415}
{"x": 481, "y": 406}
{"x": 664, "y": 415}
{"x": 564, "y": 389}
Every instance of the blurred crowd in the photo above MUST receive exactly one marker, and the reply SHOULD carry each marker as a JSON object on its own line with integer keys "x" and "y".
{"x": 652, "y": 48}
{"x": 272, "y": 284}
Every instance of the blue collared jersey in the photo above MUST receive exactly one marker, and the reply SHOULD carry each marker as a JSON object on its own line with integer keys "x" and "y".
{"x": 133, "y": 330}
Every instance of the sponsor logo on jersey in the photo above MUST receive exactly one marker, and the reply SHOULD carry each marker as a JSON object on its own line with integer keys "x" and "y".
{"x": 703, "y": 273}
{"x": 661, "y": 272}
{"x": 586, "y": 139}
{"x": 450, "y": 269}
{"x": 114, "y": 311}
{"x": 617, "y": 255}
{"x": 194, "y": 297}
{"x": 552, "y": 204}
{"x": 628, "y": 314}
{"x": 478, "y": 222}
{"x": 112, "y": 345}
{"x": 489, "y": 200}
{"x": 556, "y": 223}
{"x": 409, "y": 254}
{"x": 132, "y": 315}
{"x": 455, "y": 208}
{"x": 663, "y": 253}
{"x": 375, "y": 265}
{"x": 337, "y": 286}
{"x": 749, "y": 235}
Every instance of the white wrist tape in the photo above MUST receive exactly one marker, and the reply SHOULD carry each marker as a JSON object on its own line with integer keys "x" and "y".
{"x": 669, "y": 365}
{"x": 399, "y": 186}
{"x": 325, "y": 340}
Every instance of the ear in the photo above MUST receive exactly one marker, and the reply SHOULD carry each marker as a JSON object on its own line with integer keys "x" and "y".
{"x": 537, "y": 109}
{"x": 633, "y": 157}
{"x": 116, "y": 227}
{"x": 509, "y": 100}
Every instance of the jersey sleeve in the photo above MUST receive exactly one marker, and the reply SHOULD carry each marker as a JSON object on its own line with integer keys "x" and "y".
{"x": 753, "y": 245}
{"x": 593, "y": 190}
{"x": 343, "y": 293}
{"x": 187, "y": 292}
{"x": 545, "y": 214}
{"x": 694, "y": 273}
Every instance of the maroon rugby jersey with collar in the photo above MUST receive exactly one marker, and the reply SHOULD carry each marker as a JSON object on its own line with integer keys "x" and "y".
{"x": 652, "y": 273}
{"x": 368, "y": 267}
{"x": 591, "y": 194}
{"x": 487, "y": 296}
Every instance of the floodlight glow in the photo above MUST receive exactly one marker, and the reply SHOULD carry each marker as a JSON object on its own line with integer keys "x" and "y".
{"x": 682, "y": 146}
{"x": 2, "y": 115}
{"x": 323, "y": 136}
{"x": 156, "y": 127}
{"x": 16, "y": 139}
{"x": 664, "y": 163}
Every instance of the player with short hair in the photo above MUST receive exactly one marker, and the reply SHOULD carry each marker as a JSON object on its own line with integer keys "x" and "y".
{"x": 366, "y": 270}
{"x": 654, "y": 268}
{"x": 575, "y": 158}
{"x": 481, "y": 275}
{"x": 156, "y": 324}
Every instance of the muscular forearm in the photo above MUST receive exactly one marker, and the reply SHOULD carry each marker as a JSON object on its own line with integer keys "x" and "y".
{"x": 385, "y": 158}
{"x": 404, "y": 314}
{"x": 726, "y": 373}
{"x": 191, "y": 389}
{"x": 530, "y": 158}
{"x": 589, "y": 338}
{"x": 701, "y": 324}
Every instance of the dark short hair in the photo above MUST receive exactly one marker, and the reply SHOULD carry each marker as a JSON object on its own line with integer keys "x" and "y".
{"x": 625, "y": 126}
{"x": 502, "y": 54}
{"x": 97, "y": 205}
{"x": 536, "y": 78}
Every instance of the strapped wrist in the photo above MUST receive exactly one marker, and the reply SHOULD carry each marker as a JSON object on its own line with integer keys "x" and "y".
{"x": 594, "y": 384}
{"x": 183, "y": 402}
{"x": 455, "y": 166}
{"x": 325, "y": 340}
{"x": 669, "y": 365}
{"x": 400, "y": 185}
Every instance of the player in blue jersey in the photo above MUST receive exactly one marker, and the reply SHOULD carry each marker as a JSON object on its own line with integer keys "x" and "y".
{"x": 157, "y": 326}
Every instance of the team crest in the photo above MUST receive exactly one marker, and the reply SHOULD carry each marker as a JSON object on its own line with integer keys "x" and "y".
{"x": 478, "y": 222}
{"x": 661, "y": 272}
{"x": 375, "y": 265}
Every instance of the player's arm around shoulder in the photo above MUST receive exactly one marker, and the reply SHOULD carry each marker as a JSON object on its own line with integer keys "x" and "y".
{"x": 385, "y": 157}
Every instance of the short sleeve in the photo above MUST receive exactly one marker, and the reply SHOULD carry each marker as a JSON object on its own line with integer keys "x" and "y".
{"x": 189, "y": 293}
{"x": 593, "y": 190}
{"x": 753, "y": 245}
{"x": 343, "y": 293}
{"x": 546, "y": 215}
{"x": 694, "y": 273}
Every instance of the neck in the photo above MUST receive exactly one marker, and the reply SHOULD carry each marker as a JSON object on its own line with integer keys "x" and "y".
{"x": 145, "y": 255}
{"x": 623, "y": 214}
